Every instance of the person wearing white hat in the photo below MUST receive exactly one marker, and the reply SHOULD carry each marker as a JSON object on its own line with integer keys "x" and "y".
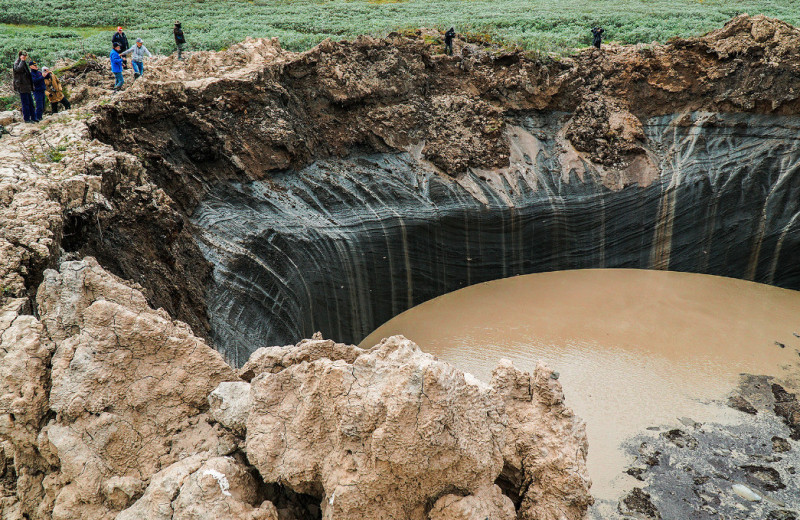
{"x": 137, "y": 52}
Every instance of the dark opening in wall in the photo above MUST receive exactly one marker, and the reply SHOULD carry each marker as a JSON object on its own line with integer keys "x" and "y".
{"x": 75, "y": 231}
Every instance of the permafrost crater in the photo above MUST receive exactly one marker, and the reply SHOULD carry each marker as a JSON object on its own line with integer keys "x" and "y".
{"x": 256, "y": 196}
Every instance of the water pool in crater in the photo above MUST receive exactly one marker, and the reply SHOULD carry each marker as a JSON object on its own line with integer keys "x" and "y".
{"x": 634, "y": 348}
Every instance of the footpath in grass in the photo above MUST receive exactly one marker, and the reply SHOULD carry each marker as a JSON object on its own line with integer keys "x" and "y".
{"x": 79, "y": 26}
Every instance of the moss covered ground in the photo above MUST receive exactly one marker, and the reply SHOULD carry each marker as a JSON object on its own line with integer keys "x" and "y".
{"x": 51, "y": 29}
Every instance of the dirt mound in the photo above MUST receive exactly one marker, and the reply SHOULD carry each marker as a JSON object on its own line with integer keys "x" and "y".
{"x": 256, "y": 108}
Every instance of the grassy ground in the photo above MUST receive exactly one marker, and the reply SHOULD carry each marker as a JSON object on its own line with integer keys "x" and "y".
{"x": 77, "y": 26}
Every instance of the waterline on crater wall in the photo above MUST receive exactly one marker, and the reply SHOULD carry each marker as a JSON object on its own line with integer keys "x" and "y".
{"x": 634, "y": 348}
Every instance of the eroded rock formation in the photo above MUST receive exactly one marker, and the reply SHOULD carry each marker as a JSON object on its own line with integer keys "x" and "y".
{"x": 100, "y": 393}
{"x": 104, "y": 406}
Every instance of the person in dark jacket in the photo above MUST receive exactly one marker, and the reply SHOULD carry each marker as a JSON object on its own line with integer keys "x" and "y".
{"x": 38, "y": 90}
{"x": 597, "y": 36}
{"x": 448, "y": 41}
{"x": 55, "y": 93}
{"x": 120, "y": 38}
{"x": 116, "y": 67}
{"x": 23, "y": 85}
{"x": 180, "y": 39}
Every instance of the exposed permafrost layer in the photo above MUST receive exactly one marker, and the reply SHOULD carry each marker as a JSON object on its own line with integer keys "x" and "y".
{"x": 593, "y": 191}
{"x": 345, "y": 244}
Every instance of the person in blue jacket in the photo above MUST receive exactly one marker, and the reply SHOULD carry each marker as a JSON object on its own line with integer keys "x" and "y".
{"x": 116, "y": 66}
{"x": 39, "y": 89}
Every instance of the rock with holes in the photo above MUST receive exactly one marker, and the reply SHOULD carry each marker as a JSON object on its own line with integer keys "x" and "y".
{"x": 546, "y": 447}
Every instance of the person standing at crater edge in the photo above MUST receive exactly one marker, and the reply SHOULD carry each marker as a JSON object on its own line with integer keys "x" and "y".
{"x": 138, "y": 52}
{"x": 39, "y": 89}
{"x": 116, "y": 66}
{"x": 180, "y": 39}
{"x": 448, "y": 41}
{"x": 597, "y": 36}
{"x": 120, "y": 38}
{"x": 23, "y": 85}
{"x": 54, "y": 91}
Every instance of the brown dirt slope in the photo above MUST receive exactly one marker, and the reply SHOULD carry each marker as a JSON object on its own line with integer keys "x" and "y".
{"x": 257, "y": 108}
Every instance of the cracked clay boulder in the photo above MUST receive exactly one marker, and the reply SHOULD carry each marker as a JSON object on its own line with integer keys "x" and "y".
{"x": 396, "y": 433}
{"x": 129, "y": 386}
{"x": 378, "y": 438}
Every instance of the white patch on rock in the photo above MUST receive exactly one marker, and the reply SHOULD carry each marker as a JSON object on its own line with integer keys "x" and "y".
{"x": 746, "y": 493}
{"x": 474, "y": 381}
{"x": 224, "y": 486}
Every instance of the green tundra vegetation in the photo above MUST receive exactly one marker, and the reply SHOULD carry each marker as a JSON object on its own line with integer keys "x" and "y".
{"x": 52, "y": 29}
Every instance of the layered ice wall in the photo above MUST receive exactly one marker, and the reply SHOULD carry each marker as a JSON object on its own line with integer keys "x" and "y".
{"x": 343, "y": 245}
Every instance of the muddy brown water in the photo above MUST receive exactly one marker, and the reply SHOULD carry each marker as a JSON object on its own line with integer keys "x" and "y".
{"x": 634, "y": 348}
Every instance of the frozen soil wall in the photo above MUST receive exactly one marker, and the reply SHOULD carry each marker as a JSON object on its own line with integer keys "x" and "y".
{"x": 332, "y": 189}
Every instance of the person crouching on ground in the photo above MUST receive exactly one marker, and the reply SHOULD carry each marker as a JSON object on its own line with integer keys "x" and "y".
{"x": 38, "y": 90}
{"x": 23, "y": 85}
{"x": 448, "y": 41}
{"x": 116, "y": 66}
{"x": 137, "y": 52}
{"x": 55, "y": 93}
{"x": 180, "y": 39}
